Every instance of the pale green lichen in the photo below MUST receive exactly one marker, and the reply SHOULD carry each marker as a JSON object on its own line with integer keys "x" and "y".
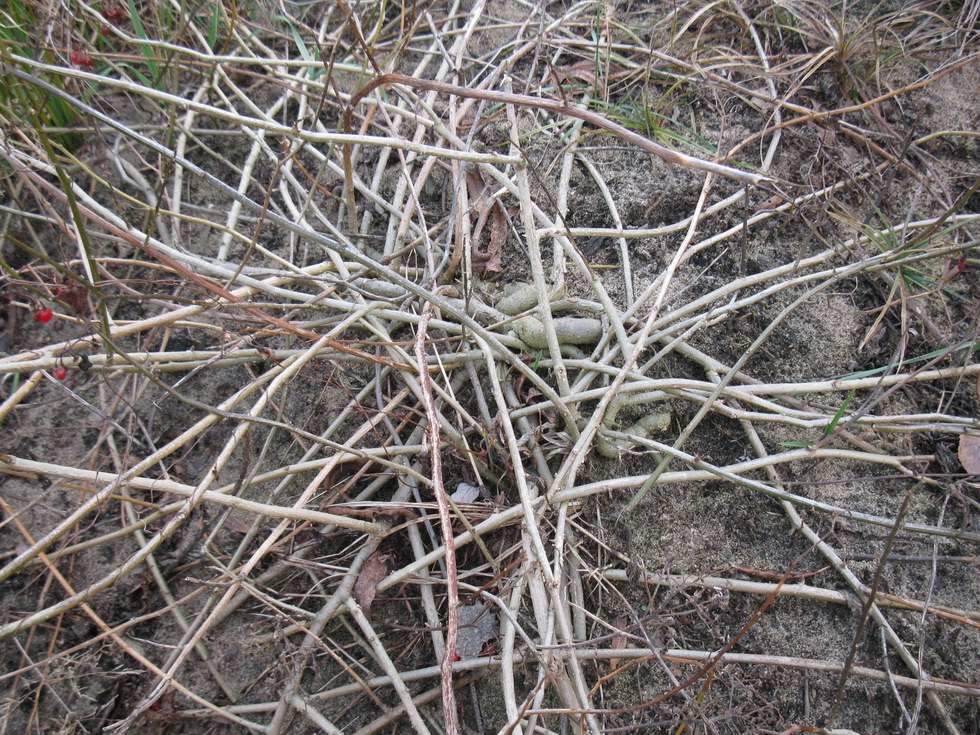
{"x": 524, "y": 297}
{"x": 569, "y": 330}
{"x": 521, "y": 298}
{"x": 647, "y": 426}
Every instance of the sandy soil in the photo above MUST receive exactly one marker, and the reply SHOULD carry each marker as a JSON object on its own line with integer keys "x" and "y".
{"x": 699, "y": 564}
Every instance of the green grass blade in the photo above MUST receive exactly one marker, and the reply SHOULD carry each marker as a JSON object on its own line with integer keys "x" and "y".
{"x": 140, "y": 32}
{"x": 972, "y": 346}
{"x": 839, "y": 415}
{"x": 213, "y": 26}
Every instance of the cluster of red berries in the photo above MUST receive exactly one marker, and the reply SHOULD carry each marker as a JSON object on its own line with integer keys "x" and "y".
{"x": 114, "y": 14}
{"x": 44, "y": 316}
{"x": 82, "y": 59}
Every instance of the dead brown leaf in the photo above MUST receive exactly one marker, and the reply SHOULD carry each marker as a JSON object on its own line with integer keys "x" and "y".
{"x": 498, "y": 238}
{"x": 237, "y": 525}
{"x": 969, "y": 453}
{"x": 620, "y": 640}
{"x": 585, "y": 71}
{"x": 466, "y": 493}
{"x": 477, "y": 625}
{"x": 769, "y": 204}
{"x": 489, "y": 260}
{"x": 582, "y": 70}
{"x": 953, "y": 269}
{"x": 75, "y": 295}
{"x": 475, "y": 185}
{"x": 366, "y": 587}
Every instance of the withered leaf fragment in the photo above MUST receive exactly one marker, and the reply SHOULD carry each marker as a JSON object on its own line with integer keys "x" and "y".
{"x": 477, "y": 625}
{"x": 620, "y": 640}
{"x": 366, "y": 587}
{"x": 969, "y": 453}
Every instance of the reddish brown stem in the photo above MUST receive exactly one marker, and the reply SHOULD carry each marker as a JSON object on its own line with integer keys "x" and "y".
{"x": 445, "y": 520}
{"x": 560, "y": 108}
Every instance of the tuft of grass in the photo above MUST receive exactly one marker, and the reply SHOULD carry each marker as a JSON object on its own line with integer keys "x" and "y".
{"x": 859, "y": 46}
{"x": 18, "y": 23}
{"x": 652, "y": 119}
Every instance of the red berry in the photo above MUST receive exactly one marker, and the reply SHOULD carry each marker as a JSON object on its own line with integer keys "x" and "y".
{"x": 114, "y": 14}
{"x": 60, "y": 372}
{"x": 44, "y": 315}
{"x": 104, "y": 30}
{"x": 82, "y": 59}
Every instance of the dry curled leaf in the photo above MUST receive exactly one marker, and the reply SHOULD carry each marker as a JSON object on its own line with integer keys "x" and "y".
{"x": 75, "y": 295}
{"x": 466, "y": 493}
{"x": 592, "y": 75}
{"x": 237, "y": 525}
{"x": 477, "y": 625}
{"x": 969, "y": 453}
{"x": 769, "y": 204}
{"x": 620, "y": 640}
{"x": 953, "y": 269}
{"x": 366, "y": 587}
{"x": 491, "y": 259}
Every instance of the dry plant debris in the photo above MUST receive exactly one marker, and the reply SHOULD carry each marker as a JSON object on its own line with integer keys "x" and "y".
{"x": 969, "y": 453}
{"x": 681, "y": 298}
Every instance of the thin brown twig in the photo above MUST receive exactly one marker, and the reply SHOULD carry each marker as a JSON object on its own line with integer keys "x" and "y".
{"x": 446, "y": 523}
{"x": 540, "y": 103}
